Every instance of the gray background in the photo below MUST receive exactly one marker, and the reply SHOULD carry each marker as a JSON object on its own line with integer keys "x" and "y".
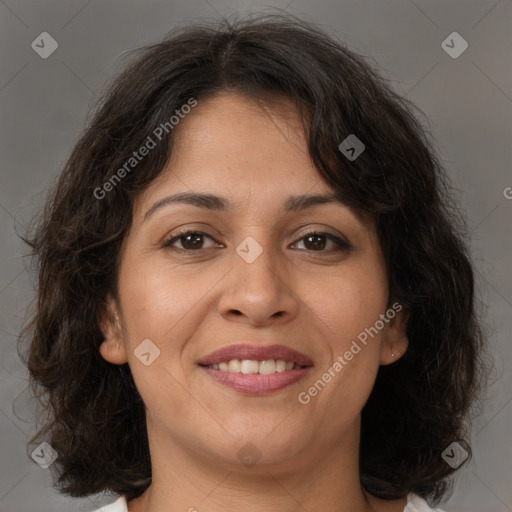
{"x": 467, "y": 102}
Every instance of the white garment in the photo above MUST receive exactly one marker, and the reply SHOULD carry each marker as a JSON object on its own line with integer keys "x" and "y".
{"x": 414, "y": 504}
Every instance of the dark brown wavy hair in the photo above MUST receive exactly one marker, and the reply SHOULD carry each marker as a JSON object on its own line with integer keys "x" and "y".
{"x": 90, "y": 410}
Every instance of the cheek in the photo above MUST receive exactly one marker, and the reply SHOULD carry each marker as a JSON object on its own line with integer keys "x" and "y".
{"x": 349, "y": 302}
{"x": 348, "y": 306}
{"x": 160, "y": 301}
{"x": 163, "y": 305}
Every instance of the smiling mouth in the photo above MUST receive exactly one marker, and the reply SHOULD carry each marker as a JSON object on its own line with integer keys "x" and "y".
{"x": 253, "y": 367}
{"x": 257, "y": 378}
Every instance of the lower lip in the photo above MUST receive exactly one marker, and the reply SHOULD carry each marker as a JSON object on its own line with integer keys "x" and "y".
{"x": 256, "y": 384}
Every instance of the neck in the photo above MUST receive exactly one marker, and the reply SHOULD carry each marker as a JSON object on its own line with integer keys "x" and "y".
{"x": 317, "y": 479}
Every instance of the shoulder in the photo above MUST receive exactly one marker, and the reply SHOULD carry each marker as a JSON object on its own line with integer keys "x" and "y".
{"x": 120, "y": 505}
{"x": 417, "y": 504}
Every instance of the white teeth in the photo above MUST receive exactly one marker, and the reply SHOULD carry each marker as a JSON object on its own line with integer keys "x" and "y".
{"x": 251, "y": 366}
{"x": 248, "y": 366}
{"x": 267, "y": 367}
{"x": 234, "y": 366}
{"x": 281, "y": 366}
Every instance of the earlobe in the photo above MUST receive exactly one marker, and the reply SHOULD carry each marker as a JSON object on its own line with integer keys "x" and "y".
{"x": 112, "y": 347}
{"x": 113, "y": 352}
{"x": 395, "y": 340}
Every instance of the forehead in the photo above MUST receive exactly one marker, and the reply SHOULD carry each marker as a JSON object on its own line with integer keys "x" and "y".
{"x": 242, "y": 147}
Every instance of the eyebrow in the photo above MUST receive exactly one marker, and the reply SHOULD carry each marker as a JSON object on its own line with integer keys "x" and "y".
{"x": 212, "y": 202}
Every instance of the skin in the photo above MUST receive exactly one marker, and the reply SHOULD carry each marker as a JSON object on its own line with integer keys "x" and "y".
{"x": 192, "y": 303}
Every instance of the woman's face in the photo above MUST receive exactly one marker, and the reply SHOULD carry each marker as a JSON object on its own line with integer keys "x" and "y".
{"x": 252, "y": 276}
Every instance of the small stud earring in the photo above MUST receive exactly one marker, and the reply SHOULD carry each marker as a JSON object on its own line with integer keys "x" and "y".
{"x": 392, "y": 354}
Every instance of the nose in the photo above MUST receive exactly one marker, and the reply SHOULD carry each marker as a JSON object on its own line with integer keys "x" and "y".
{"x": 258, "y": 293}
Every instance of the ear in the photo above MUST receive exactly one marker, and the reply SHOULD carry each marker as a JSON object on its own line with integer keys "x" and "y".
{"x": 394, "y": 342}
{"x": 112, "y": 348}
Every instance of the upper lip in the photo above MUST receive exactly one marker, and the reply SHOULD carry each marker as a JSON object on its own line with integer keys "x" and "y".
{"x": 257, "y": 353}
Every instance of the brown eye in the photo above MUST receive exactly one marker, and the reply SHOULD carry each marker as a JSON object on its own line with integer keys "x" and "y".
{"x": 192, "y": 241}
{"x": 318, "y": 241}
{"x": 315, "y": 242}
{"x": 189, "y": 240}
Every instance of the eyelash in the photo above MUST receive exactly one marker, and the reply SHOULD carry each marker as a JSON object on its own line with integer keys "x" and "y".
{"x": 342, "y": 245}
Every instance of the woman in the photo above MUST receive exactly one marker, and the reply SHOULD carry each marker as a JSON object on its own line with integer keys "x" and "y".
{"x": 253, "y": 290}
